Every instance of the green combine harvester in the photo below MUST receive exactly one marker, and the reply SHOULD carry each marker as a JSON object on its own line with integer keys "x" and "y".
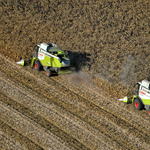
{"x": 50, "y": 58}
{"x": 141, "y": 97}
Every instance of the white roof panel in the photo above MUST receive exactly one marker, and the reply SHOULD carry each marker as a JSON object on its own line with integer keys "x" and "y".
{"x": 43, "y": 46}
{"x": 145, "y": 83}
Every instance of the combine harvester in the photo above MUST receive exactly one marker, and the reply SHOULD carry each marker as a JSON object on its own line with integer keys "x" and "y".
{"x": 141, "y": 97}
{"x": 50, "y": 58}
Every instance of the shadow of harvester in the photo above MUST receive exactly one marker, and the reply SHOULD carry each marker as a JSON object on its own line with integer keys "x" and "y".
{"x": 78, "y": 60}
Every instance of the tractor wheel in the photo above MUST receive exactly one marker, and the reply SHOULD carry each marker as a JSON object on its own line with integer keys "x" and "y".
{"x": 48, "y": 72}
{"x": 37, "y": 66}
{"x": 138, "y": 104}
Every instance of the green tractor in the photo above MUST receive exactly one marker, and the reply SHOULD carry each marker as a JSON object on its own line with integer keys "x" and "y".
{"x": 50, "y": 58}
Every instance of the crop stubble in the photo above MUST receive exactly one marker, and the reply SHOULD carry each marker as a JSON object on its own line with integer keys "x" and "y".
{"x": 74, "y": 114}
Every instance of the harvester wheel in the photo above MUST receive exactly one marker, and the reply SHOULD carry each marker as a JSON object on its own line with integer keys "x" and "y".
{"x": 48, "y": 72}
{"x": 149, "y": 112}
{"x": 37, "y": 66}
{"x": 138, "y": 104}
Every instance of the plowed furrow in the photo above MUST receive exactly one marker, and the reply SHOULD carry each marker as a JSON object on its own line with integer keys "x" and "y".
{"x": 27, "y": 128}
{"x": 52, "y": 117}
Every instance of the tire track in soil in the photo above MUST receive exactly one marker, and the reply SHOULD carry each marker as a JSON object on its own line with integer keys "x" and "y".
{"x": 28, "y": 128}
{"x": 80, "y": 114}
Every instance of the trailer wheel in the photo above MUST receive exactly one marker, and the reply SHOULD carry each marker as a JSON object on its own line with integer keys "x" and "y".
{"x": 37, "y": 66}
{"x": 149, "y": 112}
{"x": 138, "y": 104}
{"x": 48, "y": 72}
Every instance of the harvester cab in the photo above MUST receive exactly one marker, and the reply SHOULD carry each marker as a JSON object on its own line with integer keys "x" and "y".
{"x": 141, "y": 97}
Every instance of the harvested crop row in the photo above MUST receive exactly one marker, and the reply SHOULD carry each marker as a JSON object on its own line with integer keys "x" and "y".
{"x": 110, "y": 105}
{"x": 49, "y": 126}
{"x": 28, "y": 128}
{"x": 79, "y": 113}
{"x": 8, "y": 143}
{"x": 66, "y": 106}
{"x": 51, "y": 115}
{"x": 17, "y": 138}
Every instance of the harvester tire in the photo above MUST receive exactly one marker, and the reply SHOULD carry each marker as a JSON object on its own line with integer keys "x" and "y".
{"x": 149, "y": 112}
{"x": 48, "y": 72}
{"x": 138, "y": 104}
{"x": 37, "y": 66}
